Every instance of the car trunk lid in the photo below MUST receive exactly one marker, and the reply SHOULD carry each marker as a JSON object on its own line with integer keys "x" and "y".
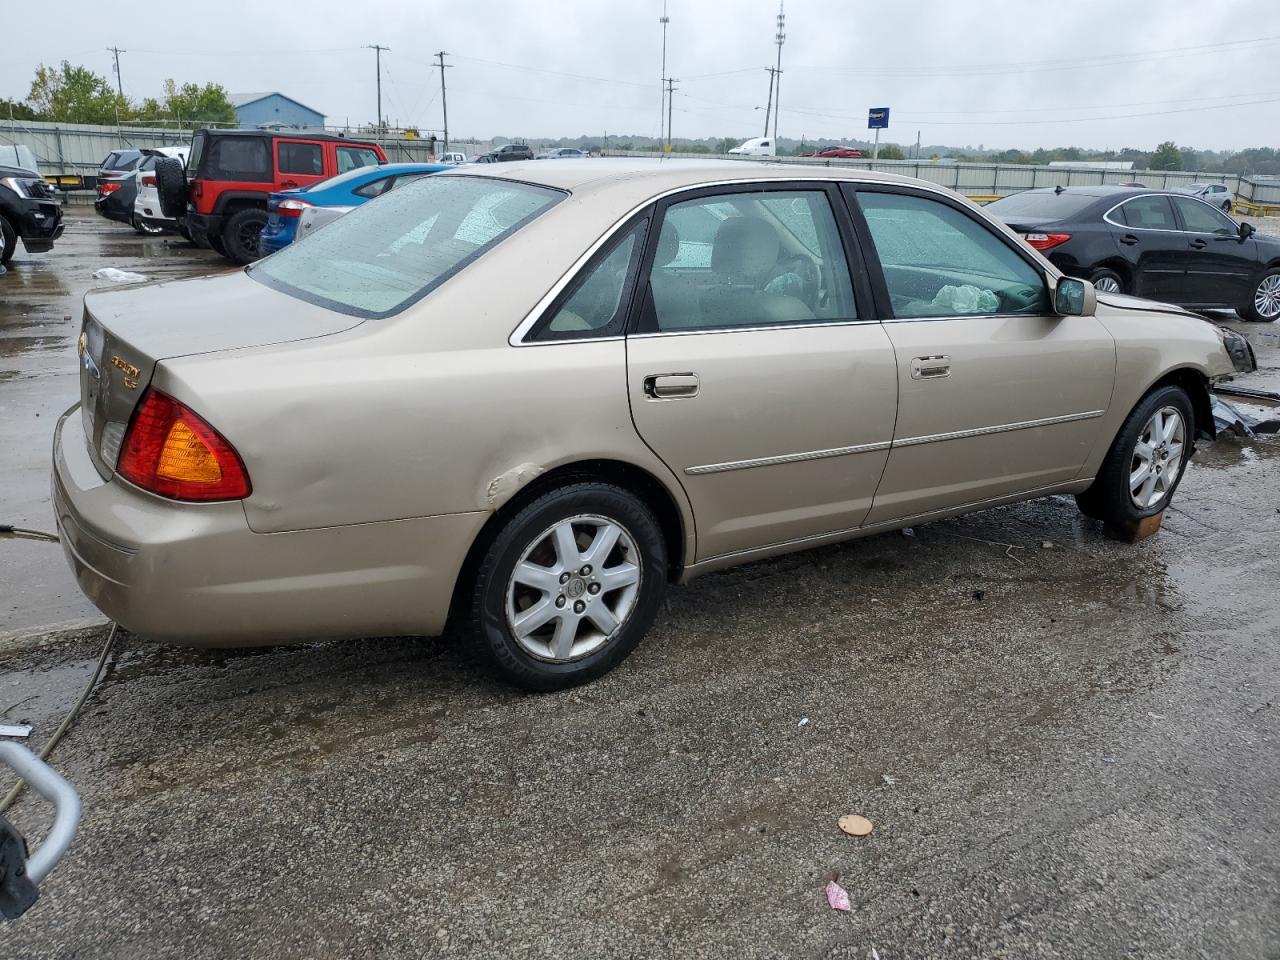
{"x": 126, "y": 333}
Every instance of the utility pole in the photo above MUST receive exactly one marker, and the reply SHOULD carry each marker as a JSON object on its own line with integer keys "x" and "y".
{"x": 671, "y": 89}
{"x": 768, "y": 110}
{"x": 664, "y": 20}
{"x": 119, "y": 83}
{"x": 378, "y": 54}
{"x": 779, "y": 37}
{"x": 444, "y": 104}
{"x": 917, "y": 144}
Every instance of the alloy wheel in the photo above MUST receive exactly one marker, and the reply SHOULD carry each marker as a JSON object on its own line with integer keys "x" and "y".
{"x": 573, "y": 588}
{"x": 1157, "y": 458}
{"x": 1107, "y": 285}
{"x": 1267, "y": 298}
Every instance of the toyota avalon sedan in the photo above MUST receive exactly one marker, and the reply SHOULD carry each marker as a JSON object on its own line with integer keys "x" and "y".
{"x": 523, "y": 399}
{"x": 1164, "y": 246}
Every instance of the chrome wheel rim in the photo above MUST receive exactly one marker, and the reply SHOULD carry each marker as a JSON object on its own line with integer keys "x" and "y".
{"x": 1107, "y": 285}
{"x": 1267, "y": 300}
{"x": 1157, "y": 458}
{"x": 573, "y": 588}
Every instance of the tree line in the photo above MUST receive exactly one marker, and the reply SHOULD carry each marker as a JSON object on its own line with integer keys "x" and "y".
{"x": 75, "y": 94}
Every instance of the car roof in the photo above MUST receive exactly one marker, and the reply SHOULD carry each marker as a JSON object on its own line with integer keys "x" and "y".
{"x": 653, "y": 176}
{"x": 292, "y": 134}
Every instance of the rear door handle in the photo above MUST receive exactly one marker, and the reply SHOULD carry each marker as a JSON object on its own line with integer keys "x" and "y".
{"x": 1199, "y": 244}
{"x": 671, "y": 386}
{"x": 930, "y": 368}
{"x": 1128, "y": 239}
{"x": 288, "y": 183}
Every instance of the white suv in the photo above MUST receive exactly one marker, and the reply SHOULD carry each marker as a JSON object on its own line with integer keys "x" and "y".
{"x": 147, "y": 215}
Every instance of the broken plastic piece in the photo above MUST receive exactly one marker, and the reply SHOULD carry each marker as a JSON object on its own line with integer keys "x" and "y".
{"x": 804, "y": 721}
{"x": 855, "y": 826}
{"x": 118, "y": 276}
{"x": 838, "y": 897}
{"x": 1228, "y": 419}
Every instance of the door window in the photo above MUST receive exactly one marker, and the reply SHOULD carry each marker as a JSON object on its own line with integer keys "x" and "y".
{"x": 596, "y": 306}
{"x": 374, "y": 188}
{"x": 1199, "y": 217}
{"x": 1147, "y": 213}
{"x": 239, "y": 158}
{"x": 939, "y": 262}
{"x": 349, "y": 158}
{"x": 304, "y": 158}
{"x": 747, "y": 260}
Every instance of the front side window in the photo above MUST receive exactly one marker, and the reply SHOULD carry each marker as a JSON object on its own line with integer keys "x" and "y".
{"x": 939, "y": 262}
{"x": 304, "y": 158}
{"x": 1147, "y": 213}
{"x": 596, "y": 306}
{"x": 1199, "y": 217}
{"x": 383, "y": 256}
{"x": 748, "y": 260}
{"x": 351, "y": 158}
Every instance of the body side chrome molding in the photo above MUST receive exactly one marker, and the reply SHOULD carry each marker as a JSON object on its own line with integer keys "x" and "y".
{"x": 888, "y": 444}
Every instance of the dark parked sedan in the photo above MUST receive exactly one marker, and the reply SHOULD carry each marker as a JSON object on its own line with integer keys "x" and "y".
{"x": 1163, "y": 246}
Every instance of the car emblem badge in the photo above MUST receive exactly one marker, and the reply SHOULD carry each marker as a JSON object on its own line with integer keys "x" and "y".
{"x": 130, "y": 372}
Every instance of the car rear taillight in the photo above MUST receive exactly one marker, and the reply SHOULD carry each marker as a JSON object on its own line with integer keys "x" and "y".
{"x": 108, "y": 186}
{"x": 1046, "y": 241}
{"x": 148, "y": 179}
{"x": 291, "y": 208}
{"x": 171, "y": 451}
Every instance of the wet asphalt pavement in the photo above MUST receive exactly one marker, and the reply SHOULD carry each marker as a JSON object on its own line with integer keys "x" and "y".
{"x": 1070, "y": 747}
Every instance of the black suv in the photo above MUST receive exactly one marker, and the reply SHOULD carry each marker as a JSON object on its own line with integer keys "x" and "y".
{"x": 512, "y": 151}
{"x": 29, "y": 210}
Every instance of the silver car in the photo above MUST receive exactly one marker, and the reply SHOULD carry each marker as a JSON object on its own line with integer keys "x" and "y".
{"x": 525, "y": 398}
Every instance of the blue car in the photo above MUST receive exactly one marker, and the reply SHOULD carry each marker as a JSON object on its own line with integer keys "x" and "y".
{"x": 323, "y": 201}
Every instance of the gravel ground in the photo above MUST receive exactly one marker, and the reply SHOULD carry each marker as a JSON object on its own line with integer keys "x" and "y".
{"x": 1067, "y": 751}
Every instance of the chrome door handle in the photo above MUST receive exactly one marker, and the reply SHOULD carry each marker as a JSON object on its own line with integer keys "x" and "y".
{"x": 670, "y": 386}
{"x": 930, "y": 368}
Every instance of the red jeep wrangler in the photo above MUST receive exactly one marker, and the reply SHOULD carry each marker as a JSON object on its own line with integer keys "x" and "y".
{"x": 221, "y": 195}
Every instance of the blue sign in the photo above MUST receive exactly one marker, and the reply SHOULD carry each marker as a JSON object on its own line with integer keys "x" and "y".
{"x": 878, "y": 118}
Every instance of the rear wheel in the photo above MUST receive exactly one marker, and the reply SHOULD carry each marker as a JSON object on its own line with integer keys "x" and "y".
{"x": 1146, "y": 461}
{"x": 8, "y": 240}
{"x": 1106, "y": 281}
{"x": 146, "y": 229}
{"x": 1265, "y": 307}
{"x": 242, "y": 234}
{"x": 568, "y": 586}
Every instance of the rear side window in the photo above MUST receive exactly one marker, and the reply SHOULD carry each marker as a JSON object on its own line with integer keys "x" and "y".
{"x": 374, "y": 188}
{"x": 239, "y": 158}
{"x": 303, "y": 158}
{"x": 939, "y": 262}
{"x": 350, "y": 158}
{"x": 1147, "y": 213}
{"x": 596, "y": 306}
{"x": 383, "y": 256}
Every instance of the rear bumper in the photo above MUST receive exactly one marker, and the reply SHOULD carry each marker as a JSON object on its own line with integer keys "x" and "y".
{"x": 196, "y": 575}
{"x": 113, "y": 208}
{"x": 202, "y": 226}
{"x": 270, "y": 241}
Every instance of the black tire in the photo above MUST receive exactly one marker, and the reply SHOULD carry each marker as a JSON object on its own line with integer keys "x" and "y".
{"x": 1250, "y": 310}
{"x": 8, "y": 240}
{"x": 1109, "y": 499}
{"x": 242, "y": 234}
{"x": 1103, "y": 273}
{"x": 214, "y": 242}
{"x": 146, "y": 231}
{"x": 171, "y": 185}
{"x": 486, "y": 622}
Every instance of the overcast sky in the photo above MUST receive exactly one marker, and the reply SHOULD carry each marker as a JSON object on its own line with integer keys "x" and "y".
{"x": 1001, "y": 73}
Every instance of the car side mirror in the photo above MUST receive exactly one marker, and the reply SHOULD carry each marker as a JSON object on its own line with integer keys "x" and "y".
{"x": 1246, "y": 230}
{"x": 1074, "y": 298}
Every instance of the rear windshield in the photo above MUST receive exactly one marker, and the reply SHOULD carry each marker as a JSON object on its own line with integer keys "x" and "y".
{"x": 121, "y": 160}
{"x": 1041, "y": 206}
{"x": 383, "y": 256}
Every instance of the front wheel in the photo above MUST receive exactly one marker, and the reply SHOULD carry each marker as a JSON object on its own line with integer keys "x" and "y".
{"x": 1146, "y": 461}
{"x": 568, "y": 586}
{"x": 8, "y": 241}
{"x": 242, "y": 235}
{"x": 1265, "y": 307}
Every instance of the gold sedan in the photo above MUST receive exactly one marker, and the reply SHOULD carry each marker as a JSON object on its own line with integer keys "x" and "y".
{"x": 526, "y": 398}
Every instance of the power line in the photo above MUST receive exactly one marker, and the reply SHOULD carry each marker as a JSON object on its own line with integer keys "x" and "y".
{"x": 552, "y": 73}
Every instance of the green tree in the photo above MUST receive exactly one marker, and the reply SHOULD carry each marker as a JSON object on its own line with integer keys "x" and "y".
{"x": 1167, "y": 157}
{"x": 891, "y": 151}
{"x": 75, "y": 95}
{"x": 189, "y": 104}
{"x": 16, "y": 109}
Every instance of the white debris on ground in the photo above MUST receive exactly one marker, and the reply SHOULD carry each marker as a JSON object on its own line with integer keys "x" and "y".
{"x": 118, "y": 276}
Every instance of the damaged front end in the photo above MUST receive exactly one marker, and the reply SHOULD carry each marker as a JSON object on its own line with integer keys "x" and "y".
{"x": 1239, "y": 349}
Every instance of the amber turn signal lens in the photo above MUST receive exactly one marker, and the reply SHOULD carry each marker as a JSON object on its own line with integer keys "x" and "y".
{"x": 171, "y": 451}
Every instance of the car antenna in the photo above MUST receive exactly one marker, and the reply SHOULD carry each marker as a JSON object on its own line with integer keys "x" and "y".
{"x": 1059, "y": 188}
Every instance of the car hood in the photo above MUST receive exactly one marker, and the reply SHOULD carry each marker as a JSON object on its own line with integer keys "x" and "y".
{"x": 7, "y": 171}
{"x": 1125, "y": 302}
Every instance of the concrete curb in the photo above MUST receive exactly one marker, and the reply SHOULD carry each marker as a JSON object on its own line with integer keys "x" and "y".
{"x": 30, "y": 639}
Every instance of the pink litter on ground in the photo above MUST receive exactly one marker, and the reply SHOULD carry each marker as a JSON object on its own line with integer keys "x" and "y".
{"x": 838, "y": 897}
